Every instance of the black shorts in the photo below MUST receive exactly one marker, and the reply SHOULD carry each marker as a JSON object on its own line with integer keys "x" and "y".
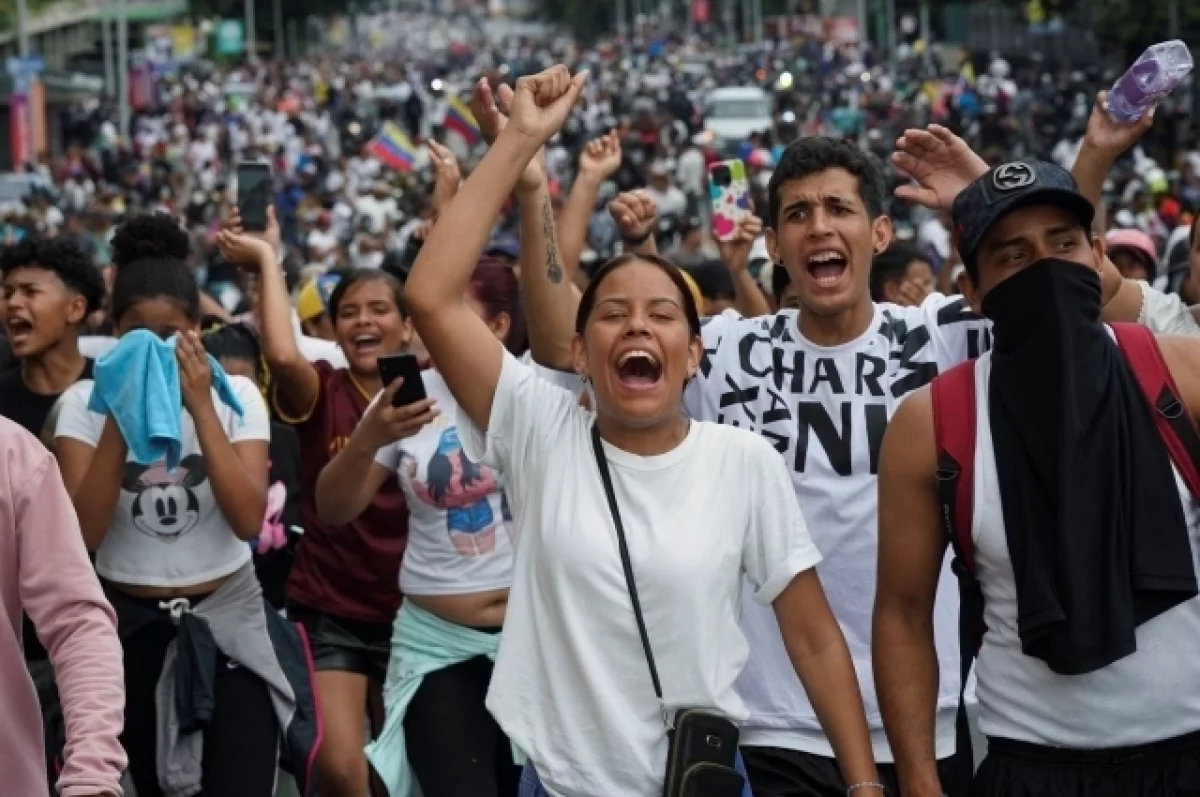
{"x": 778, "y": 772}
{"x": 1169, "y": 768}
{"x": 346, "y": 645}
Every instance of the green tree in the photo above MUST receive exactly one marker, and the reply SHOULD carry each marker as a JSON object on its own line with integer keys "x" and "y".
{"x": 8, "y": 11}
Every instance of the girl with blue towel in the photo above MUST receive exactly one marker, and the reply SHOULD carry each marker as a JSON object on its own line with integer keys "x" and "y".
{"x": 165, "y": 458}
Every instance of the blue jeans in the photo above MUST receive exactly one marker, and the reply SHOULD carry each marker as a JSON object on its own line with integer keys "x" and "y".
{"x": 531, "y": 785}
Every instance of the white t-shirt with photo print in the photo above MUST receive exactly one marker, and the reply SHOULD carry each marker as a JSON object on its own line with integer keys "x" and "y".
{"x": 824, "y": 410}
{"x": 571, "y": 686}
{"x": 167, "y": 530}
{"x": 458, "y": 529}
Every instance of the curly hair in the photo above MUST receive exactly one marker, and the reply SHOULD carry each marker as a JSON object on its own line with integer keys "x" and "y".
{"x": 149, "y": 235}
{"x": 64, "y": 258}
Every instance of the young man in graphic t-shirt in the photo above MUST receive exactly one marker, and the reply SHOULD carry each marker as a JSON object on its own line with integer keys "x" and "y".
{"x": 821, "y": 384}
{"x": 50, "y": 287}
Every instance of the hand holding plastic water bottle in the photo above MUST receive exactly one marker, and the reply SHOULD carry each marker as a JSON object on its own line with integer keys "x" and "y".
{"x": 1153, "y": 76}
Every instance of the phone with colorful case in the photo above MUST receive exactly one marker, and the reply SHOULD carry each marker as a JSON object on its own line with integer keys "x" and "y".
{"x": 729, "y": 192}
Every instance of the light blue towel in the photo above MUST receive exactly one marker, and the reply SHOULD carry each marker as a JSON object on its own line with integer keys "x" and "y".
{"x": 422, "y": 643}
{"x": 137, "y": 383}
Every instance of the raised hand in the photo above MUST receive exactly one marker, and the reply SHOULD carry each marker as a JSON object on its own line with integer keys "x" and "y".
{"x": 270, "y": 236}
{"x": 1108, "y": 137}
{"x": 940, "y": 162}
{"x": 601, "y": 157}
{"x": 541, "y": 102}
{"x": 486, "y": 112}
{"x": 447, "y": 175}
{"x": 736, "y": 251}
{"x": 635, "y": 213}
{"x": 247, "y": 251}
{"x": 491, "y": 111}
{"x": 383, "y": 424}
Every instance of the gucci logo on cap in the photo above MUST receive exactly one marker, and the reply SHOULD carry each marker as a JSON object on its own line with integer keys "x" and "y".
{"x": 1011, "y": 176}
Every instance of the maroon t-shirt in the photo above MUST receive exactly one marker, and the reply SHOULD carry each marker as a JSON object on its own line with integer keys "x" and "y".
{"x": 349, "y": 571}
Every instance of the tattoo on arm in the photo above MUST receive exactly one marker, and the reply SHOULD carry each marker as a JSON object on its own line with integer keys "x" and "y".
{"x": 554, "y": 271}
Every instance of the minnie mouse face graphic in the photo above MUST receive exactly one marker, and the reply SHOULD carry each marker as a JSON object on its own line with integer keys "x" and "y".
{"x": 165, "y": 506}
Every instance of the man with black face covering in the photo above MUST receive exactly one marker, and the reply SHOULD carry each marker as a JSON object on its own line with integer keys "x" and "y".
{"x": 1081, "y": 531}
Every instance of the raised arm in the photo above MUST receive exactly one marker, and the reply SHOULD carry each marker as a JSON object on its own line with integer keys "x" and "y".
{"x": 468, "y": 355}
{"x": 1105, "y": 141}
{"x": 598, "y": 162}
{"x": 636, "y": 214}
{"x": 297, "y": 383}
{"x": 911, "y": 548}
{"x": 735, "y": 254}
{"x": 547, "y": 284}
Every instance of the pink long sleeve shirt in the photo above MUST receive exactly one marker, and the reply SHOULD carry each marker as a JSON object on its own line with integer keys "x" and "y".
{"x": 44, "y": 569}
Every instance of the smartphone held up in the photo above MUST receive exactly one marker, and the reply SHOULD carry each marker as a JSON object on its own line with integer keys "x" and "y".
{"x": 729, "y": 193}
{"x": 408, "y": 367}
{"x": 253, "y": 194}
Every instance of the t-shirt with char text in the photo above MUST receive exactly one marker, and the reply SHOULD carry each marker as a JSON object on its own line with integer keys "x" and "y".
{"x": 825, "y": 409}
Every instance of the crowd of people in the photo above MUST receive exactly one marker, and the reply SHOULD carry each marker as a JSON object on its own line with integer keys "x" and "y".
{"x": 656, "y": 479}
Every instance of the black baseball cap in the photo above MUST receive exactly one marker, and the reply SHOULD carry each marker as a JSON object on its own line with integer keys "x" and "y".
{"x": 1012, "y": 185}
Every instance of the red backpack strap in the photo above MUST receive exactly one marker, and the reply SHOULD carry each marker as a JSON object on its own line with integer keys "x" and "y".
{"x": 953, "y": 396}
{"x": 1145, "y": 359}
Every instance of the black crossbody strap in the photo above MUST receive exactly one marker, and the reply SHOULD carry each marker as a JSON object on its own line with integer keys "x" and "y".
{"x": 627, "y": 566}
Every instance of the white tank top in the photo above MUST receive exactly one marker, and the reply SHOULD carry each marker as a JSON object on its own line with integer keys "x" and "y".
{"x": 1149, "y": 696}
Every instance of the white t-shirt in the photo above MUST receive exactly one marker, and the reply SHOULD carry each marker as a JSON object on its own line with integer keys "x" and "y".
{"x": 1145, "y": 697}
{"x": 167, "y": 530}
{"x": 825, "y": 410}
{"x": 571, "y": 686}
{"x": 1165, "y": 313}
{"x": 458, "y": 539}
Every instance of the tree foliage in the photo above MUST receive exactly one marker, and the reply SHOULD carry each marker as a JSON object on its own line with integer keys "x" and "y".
{"x": 8, "y": 11}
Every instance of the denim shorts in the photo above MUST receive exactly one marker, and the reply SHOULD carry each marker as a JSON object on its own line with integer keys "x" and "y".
{"x": 531, "y": 785}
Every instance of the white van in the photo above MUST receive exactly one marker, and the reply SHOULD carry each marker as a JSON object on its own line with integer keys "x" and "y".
{"x": 731, "y": 114}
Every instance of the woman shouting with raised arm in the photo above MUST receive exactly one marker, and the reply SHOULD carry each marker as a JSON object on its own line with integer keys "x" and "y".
{"x": 632, "y": 525}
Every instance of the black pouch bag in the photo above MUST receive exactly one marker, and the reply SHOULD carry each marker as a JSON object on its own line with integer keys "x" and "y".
{"x": 701, "y": 745}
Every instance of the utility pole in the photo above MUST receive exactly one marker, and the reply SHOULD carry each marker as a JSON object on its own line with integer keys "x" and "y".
{"x": 122, "y": 70}
{"x": 22, "y": 29}
{"x": 278, "y": 8}
{"x": 251, "y": 43}
{"x": 863, "y": 25}
{"x": 106, "y": 47}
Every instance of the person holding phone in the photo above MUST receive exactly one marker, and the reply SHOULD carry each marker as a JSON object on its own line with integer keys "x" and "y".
{"x": 343, "y": 585}
{"x": 455, "y": 574}
{"x": 702, "y": 504}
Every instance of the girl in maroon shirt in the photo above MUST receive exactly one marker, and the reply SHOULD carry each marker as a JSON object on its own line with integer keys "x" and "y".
{"x": 344, "y": 582}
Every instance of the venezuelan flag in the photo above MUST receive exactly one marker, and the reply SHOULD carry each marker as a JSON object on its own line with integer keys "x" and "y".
{"x": 392, "y": 146}
{"x": 460, "y": 119}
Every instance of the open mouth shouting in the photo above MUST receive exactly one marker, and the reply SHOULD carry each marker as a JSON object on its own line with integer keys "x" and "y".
{"x": 827, "y": 267}
{"x": 365, "y": 344}
{"x": 20, "y": 330}
{"x": 638, "y": 369}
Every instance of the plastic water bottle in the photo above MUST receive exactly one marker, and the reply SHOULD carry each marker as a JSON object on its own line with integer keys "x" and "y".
{"x": 1153, "y": 76}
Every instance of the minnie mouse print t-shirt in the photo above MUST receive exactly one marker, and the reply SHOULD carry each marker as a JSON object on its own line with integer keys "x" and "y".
{"x": 458, "y": 540}
{"x": 167, "y": 530}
